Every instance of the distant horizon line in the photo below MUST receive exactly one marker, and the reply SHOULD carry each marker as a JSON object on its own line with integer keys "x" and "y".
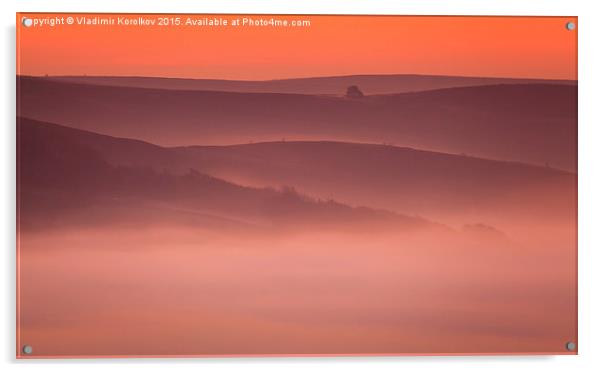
{"x": 298, "y": 77}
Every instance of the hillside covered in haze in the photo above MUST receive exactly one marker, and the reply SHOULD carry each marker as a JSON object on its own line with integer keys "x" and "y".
{"x": 530, "y": 123}
{"x": 64, "y": 179}
{"x": 448, "y": 188}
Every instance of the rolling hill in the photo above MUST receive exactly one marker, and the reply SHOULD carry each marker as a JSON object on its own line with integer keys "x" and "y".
{"x": 530, "y": 123}
{"x": 400, "y": 179}
{"x": 403, "y": 180}
{"x": 63, "y": 179}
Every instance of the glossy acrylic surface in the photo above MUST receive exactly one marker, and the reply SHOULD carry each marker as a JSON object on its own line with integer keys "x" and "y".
{"x": 339, "y": 185}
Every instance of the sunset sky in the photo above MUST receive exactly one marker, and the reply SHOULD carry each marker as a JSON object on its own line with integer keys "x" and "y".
{"x": 536, "y": 47}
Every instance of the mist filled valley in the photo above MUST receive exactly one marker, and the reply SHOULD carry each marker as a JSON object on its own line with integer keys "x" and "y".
{"x": 392, "y": 223}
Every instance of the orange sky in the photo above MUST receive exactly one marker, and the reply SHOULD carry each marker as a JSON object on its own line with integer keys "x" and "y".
{"x": 538, "y": 47}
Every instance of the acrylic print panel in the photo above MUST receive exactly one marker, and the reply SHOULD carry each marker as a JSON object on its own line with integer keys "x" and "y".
{"x": 231, "y": 185}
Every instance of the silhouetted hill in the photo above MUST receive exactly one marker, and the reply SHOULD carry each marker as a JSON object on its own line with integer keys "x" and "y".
{"x": 327, "y": 85}
{"x": 404, "y": 180}
{"x": 532, "y": 123}
{"x": 395, "y": 178}
{"x": 64, "y": 177}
